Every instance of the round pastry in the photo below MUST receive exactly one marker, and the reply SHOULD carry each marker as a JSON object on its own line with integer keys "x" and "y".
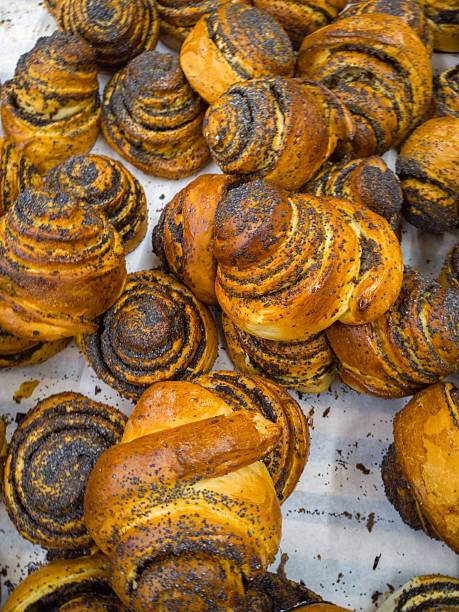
{"x": 110, "y": 188}
{"x": 15, "y": 351}
{"x": 183, "y": 506}
{"x": 289, "y": 265}
{"x": 435, "y": 593}
{"x": 380, "y": 70}
{"x": 51, "y": 107}
{"x": 157, "y": 330}
{"x": 420, "y": 470}
{"x": 280, "y": 129}
{"x": 50, "y": 458}
{"x": 17, "y": 173}
{"x": 443, "y": 16}
{"x": 61, "y": 266}
{"x": 73, "y": 585}
{"x": 449, "y": 275}
{"x": 153, "y": 118}
{"x": 445, "y": 100}
{"x": 117, "y": 30}
{"x": 234, "y": 43}
{"x": 308, "y": 366}
{"x": 429, "y": 172}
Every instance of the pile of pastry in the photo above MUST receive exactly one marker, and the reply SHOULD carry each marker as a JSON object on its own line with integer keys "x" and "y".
{"x": 297, "y": 243}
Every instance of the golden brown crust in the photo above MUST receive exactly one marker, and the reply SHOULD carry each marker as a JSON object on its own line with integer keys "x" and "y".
{"x": 49, "y": 461}
{"x": 449, "y": 275}
{"x": 117, "y": 30}
{"x": 280, "y": 129}
{"x": 61, "y": 266}
{"x": 412, "y": 345}
{"x": 156, "y": 330}
{"x": 51, "y": 107}
{"x": 429, "y": 173}
{"x": 15, "y": 351}
{"x": 234, "y": 43}
{"x": 109, "y": 187}
{"x": 153, "y": 118}
{"x": 17, "y": 173}
{"x": 445, "y": 100}
{"x": 443, "y": 16}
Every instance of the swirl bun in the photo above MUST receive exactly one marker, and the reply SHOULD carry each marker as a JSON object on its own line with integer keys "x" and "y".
{"x": 153, "y": 118}
{"x": 449, "y": 275}
{"x": 443, "y": 16}
{"x": 51, "y": 107}
{"x": 434, "y": 592}
{"x": 445, "y": 100}
{"x": 110, "y": 188}
{"x": 234, "y": 43}
{"x": 61, "y": 266}
{"x": 15, "y": 351}
{"x": 17, "y": 173}
{"x": 157, "y": 330}
{"x": 49, "y": 461}
{"x": 117, "y": 30}
{"x": 280, "y": 129}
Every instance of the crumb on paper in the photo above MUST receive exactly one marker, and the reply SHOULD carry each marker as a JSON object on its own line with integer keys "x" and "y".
{"x": 370, "y": 521}
{"x": 25, "y": 390}
{"x": 376, "y": 561}
{"x": 362, "y": 468}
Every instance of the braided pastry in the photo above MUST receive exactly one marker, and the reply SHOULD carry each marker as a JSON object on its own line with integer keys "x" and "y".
{"x": 51, "y": 107}
{"x": 289, "y": 265}
{"x": 234, "y": 43}
{"x": 16, "y": 174}
{"x": 279, "y": 129}
{"x": 435, "y": 593}
{"x": 420, "y": 470}
{"x": 412, "y": 345}
{"x": 49, "y": 461}
{"x": 117, "y": 30}
{"x": 152, "y": 117}
{"x": 157, "y": 330}
{"x": 15, "y": 351}
{"x": 187, "y": 509}
{"x": 449, "y": 275}
{"x": 74, "y": 585}
{"x": 445, "y": 100}
{"x": 61, "y": 266}
{"x": 381, "y": 71}
{"x": 443, "y": 16}
{"x": 367, "y": 182}
{"x": 428, "y": 168}
{"x": 110, "y": 188}
{"x": 307, "y": 366}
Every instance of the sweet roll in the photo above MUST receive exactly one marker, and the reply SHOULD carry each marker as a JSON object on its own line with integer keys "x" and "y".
{"x": 445, "y": 99}
{"x": 17, "y": 173}
{"x": 449, "y": 275}
{"x": 15, "y": 351}
{"x": 443, "y": 16}
{"x": 434, "y": 592}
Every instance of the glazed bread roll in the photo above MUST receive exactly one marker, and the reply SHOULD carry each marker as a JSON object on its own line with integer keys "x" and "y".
{"x": 49, "y": 461}
{"x": 445, "y": 101}
{"x": 188, "y": 511}
{"x": 156, "y": 330}
{"x": 51, "y": 107}
{"x": 381, "y": 71}
{"x": 289, "y": 265}
{"x": 443, "y": 16}
{"x": 234, "y": 43}
{"x": 73, "y": 585}
{"x": 428, "y": 168}
{"x": 17, "y": 173}
{"x": 153, "y": 118}
{"x": 435, "y": 592}
{"x": 279, "y": 129}
{"x": 420, "y": 470}
{"x": 412, "y": 345}
{"x": 110, "y": 188}
{"x": 117, "y": 30}
{"x": 449, "y": 275}
{"x": 15, "y": 351}
{"x": 61, "y": 266}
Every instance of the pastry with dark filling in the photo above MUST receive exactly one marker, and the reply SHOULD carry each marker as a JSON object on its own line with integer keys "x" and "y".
{"x": 445, "y": 100}
{"x": 15, "y": 351}
{"x": 17, "y": 173}
{"x": 435, "y": 593}
{"x": 443, "y": 16}
{"x": 449, "y": 275}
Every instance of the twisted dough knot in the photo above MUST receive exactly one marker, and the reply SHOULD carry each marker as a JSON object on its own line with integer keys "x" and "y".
{"x": 445, "y": 101}
{"x": 17, "y": 173}
{"x": 157, "y": 330}
{"x": 449, "y": 275}
{"x": 153, "y": 118}
{"x": 412, "y": 345}
{"x": 117, "y": 30}
{"x": 49, "y": 461}
{"x": 110, "y": 188}
{"x": 289, "y": 265}
{"x": 15, "y": 351}
{"x": 51, "y": 107}
{"x": 380, "y": 70}
{"x": 61, "y": 266}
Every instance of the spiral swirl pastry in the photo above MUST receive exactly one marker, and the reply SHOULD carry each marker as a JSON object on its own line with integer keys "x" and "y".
{"x": 153, "y": 118}
{"x": 449, "y": 275}
{"x": 17, "y": 173}
{"x": 445, "y": 101}
{"x": 289, "y": 265}
{"x": 414, "y": 344}
{"x": 157, "y": 330}
{"x": 443, "y": 16}
{"x": 429, "y": 174}
{"x": 74, "y": 585}
{"x": 380, "y": 70}
{"x": 117, "y": 30}
{"x": 307, "y": 366}
{"x": 234, "y": 43}
{"x": 15, "y": 351}
{"x": 49, "y": 461}
{"x": 419, "y": 471}
{"x": 51, "y": 107}
{"x": 434, "y": 592}
{"x": 280, "y": 129}
{"x": 61, "y": 266}
{"x": 368, "y": 182}
{"x": 110, "y": 188}
{"x": 188, "y": 510}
